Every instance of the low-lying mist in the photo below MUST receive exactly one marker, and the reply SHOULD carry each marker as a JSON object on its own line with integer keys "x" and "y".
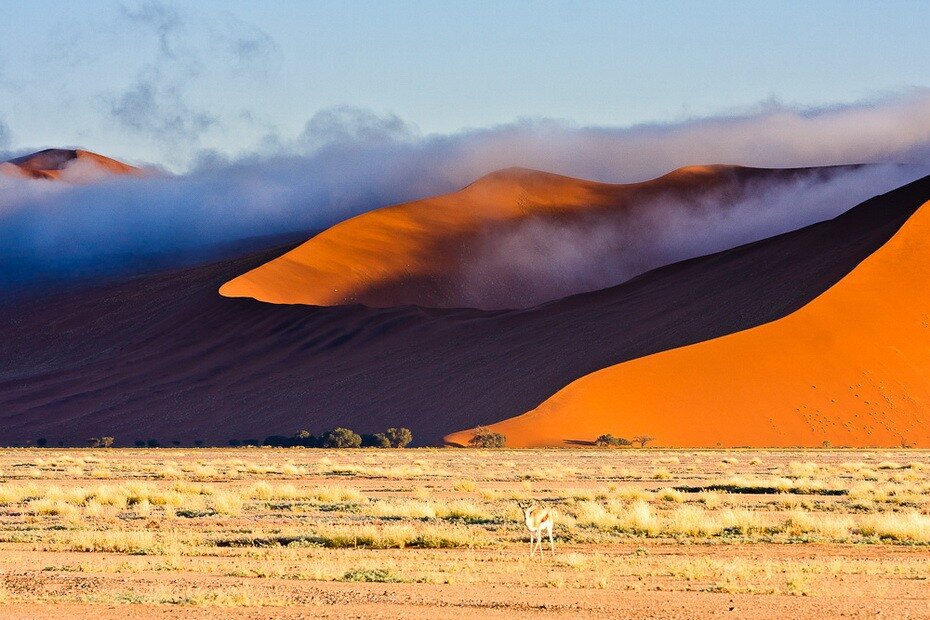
{"x": 122, "y": 225}
{"x": 544, "y": 259}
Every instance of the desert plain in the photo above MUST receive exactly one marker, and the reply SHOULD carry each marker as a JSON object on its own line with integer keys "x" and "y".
{"x": 430, "y": 533}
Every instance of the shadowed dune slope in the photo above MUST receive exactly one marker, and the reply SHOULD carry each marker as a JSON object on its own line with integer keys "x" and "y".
{"x": 165, "y": 357}
{"x": 56, "y": 164}
{"x": 851, "y": 368}
{"x": 465, "y": 249}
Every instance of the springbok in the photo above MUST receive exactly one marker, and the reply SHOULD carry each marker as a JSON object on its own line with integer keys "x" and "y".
{"x": 537, "y": 520}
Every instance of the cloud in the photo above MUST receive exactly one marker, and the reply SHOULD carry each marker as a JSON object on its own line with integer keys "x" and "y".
{"x": 348, "y": 161}
{"x": 163, "y": 20}
{"x": 350, "y": 125}
{"x": 155, "y": 107}
{"x": 543, "y": 259}
{"x": 6, "y": 137}
{"x": 253, "y": 50}
{"x": 156, "y": 104}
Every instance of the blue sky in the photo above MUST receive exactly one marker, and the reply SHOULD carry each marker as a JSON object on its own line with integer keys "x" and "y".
{"x": 163, "y": 82}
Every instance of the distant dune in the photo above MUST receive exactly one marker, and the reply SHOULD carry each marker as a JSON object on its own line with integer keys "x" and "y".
{"x": 469, "y": 248}
{"x": 852, "y": 368}
{"x": 76, "y": 165}
{"x": 163, "y": 356}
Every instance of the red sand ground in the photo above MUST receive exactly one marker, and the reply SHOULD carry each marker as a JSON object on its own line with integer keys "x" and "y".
{"x": 851, "y": 368}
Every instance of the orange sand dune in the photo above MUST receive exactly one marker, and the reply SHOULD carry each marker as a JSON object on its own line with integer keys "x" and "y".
{"x": 54, "y": 164}
{"x": 409, "y": 253}
{"x": 851, "y": 368}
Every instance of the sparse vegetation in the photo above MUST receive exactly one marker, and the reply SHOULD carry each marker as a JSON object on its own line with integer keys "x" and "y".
{"x": 272, "y": 518}
{"x": 486, "y": 438}
{"x": 340, "y": 438}
{"x": 378, "y": 440}
{"x": 609, "y": 441}
{"x": 399, "y": 437}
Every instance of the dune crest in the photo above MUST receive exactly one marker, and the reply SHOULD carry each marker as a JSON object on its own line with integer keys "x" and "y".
{"x": 851, "y": 368}
{"x": 74, "y": 165}
{"x": 513, "y": 239}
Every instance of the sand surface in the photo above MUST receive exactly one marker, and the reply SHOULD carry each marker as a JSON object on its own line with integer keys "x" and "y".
{"x": 840, "y": 596}
{"x": 58, "y": 536}
{"x": 851, "y": 368}
{"x": 66, "y": 164}
{"x": 163, "y": 356}
{"x": 481, "y": 247}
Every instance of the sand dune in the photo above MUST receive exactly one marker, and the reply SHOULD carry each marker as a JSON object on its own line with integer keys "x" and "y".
{"x": 163, "y": 356}
{"x": 513, "y": 239}
{"x": 74, "y": 165}
{"x": 852, "y": 368}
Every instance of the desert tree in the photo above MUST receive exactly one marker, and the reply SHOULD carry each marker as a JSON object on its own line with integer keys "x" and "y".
{"x": 399, "y": 437}
{"x": 377, "y": 440}
{"x": 486, "y": 438}
{"x": 610, "y": 441}
{"x": 341, "y": 438}
{"x": 642, "y": 440}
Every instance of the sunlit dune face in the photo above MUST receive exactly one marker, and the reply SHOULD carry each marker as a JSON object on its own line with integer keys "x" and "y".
{"x": 71, "y": 165}
{"x": 852, "y": 368}
{"x": 518, "y": 238}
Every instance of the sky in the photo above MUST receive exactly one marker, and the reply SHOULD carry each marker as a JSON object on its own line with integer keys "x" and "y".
{"x": 177, "y": 84}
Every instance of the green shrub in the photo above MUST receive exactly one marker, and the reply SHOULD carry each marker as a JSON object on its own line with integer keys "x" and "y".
{"x": 341, "y": 438}
{"x": 399, "y": 437}
{"x": 373, "y": 575}
{"x": 486, "y": 438}
{"x": 378, "y": 440}
{"x": 610, "y": 441}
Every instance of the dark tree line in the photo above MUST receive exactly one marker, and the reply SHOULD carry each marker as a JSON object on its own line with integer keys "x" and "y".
{"x": 343, "y": 438}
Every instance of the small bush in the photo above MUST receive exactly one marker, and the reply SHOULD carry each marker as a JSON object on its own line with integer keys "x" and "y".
{"x": 300, "y": 438}
{"x": 609, "y": 441}
{"x": 399, "y": 437}
{"x": 100, "y": 442}
{"x": 486, "y": 438}
{"x": 41, "y": 442}
{"x": 341, "y": 438}
{"x": 139, "y": 443}
{"x": 378, "y": 440}
{"x": 373, "y": 575}
{"x": 152, "y": 443}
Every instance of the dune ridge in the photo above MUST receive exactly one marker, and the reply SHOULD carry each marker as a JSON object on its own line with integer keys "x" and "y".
{"x": 851, "y": 368}
{"x": 423, "y": 252}
{"x": 55, "y": 164}
{"x": 163, "y": 356}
